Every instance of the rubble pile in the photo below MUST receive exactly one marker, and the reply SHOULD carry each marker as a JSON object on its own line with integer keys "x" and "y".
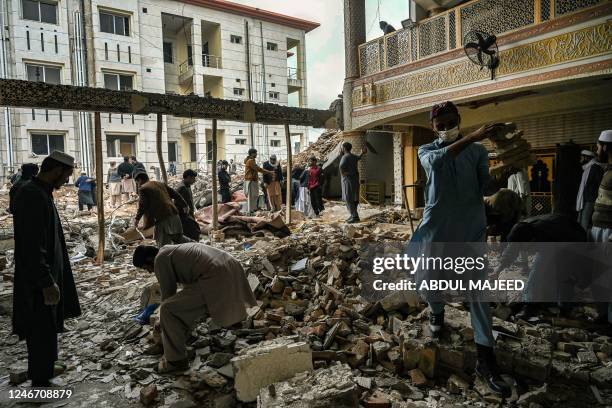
{"x": 325, "y": 144}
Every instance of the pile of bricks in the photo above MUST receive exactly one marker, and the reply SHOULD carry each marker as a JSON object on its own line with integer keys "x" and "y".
{"x": 512, "y": 151}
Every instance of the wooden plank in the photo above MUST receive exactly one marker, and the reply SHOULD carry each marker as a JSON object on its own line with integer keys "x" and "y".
{"x": 158, "y": 140}
{"x": 289, "y": 165}
{"x": 40, "y": 95}
{"x": 99, "y": 186}
{"x": 215, "y": 217}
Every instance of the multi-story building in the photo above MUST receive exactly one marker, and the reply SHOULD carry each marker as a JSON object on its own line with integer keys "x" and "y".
{"x": 553, "y": 80}
{"x": 209, "y": 48}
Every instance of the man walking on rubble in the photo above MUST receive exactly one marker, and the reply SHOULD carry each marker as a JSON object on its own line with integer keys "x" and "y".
{"x": 350, "y": 180}
{"x": 28, "y": 171}
{"x": 457, "y": 174}
{"x": 155, "y": 204}
{"x": 44, "y": 293}
{"x": 251, "y": 180}
{"x": 125, "y": 171}
{"x": 224, "y": 183}
{"x": 213, "y": 282}
{"x": 191, "y": 229}
{"x": 273, "y": 184}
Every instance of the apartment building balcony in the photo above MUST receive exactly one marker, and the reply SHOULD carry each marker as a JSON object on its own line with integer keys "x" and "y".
{"x": 188, "y": 125}
{"x": 185, "y": 72}
{"x": 294, "y": 79}
{"x": 541, "y": 43}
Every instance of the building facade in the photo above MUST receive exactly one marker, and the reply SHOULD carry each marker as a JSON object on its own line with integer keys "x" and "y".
{"x": 553, "y": 79}
{"x": 204, "y": 47}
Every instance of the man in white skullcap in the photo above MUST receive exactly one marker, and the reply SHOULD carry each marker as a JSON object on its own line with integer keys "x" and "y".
{"x": 592, "y": 173}
{"x": 602, "y": 214}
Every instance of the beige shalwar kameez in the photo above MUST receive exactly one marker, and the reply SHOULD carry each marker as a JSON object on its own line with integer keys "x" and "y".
{"x": 213, "y": 282}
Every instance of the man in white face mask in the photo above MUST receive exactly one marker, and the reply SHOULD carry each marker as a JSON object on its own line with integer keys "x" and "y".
{"x": 457, "y": 169}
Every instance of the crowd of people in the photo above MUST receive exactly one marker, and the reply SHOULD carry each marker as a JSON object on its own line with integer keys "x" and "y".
{"x": 214, "y": 282}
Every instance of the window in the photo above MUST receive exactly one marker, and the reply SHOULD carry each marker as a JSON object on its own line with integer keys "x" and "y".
{"x": 296, "y": 147}
{"x": 240, "y": 131}
{"x": 240, "y": 141}
{"x": 193, "y": 156}
{"x": 273, "y": 95}
{"x": 238, "y": 80}
{"x": 114, "y": 24}
{"x": 118, "y": 82}
{"x": 43, "y": 73}
{"x": 272, "y": 46}
{"x": 171, "y": 151}
{"x": 238, "y": 91}
{"x": 275, "y": 133}
{"x": 235, "y": 39}
{"x": 120, "y": 145}
{"x": 168, "y": 58}
{"x": 38, "y": 10}
{"x": 273, "y": 85}
{"x": 275, "y": 143}
{"x": 44, "y": 144}
{"x": 209, "y": 150}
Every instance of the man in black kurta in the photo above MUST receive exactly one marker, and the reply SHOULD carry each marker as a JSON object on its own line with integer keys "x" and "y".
{"x": 350, "y": 180}
{"x": 44, "y": 293}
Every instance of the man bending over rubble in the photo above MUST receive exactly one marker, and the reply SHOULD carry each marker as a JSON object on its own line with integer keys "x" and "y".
{"x": 155, "y": 204}
{"x": 213, "y": 282}
{"x": 457, "y": 169}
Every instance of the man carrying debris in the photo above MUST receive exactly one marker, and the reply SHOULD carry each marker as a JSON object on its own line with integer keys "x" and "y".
{"x": 543, "y": 228}
{"x": 592, "y": 173}
{"x": 273, "y": 183}
{"x": 86, "y": 186}
{"x": 224, "y": 183}
{"x": 44, "y": 293}
{"x": 251, "y": 180}
{"x": 155, "y": 204}
{"x": 213, "y": 282}
{"x": 350, "y": 180}
{"x": 125, "y": 171}
{"x": 28, "y": 171}
{"x": 457, "y": 169}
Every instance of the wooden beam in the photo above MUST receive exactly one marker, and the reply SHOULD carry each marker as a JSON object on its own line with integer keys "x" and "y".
{"x": 289, "y": 165}
{"x": 215, "y": 214}
{"x": 99, "y": 186}
{"x": 27, "y": 94}
{"x": 158, "y": 140}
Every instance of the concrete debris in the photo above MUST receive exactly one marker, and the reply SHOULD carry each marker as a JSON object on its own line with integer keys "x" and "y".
{"x": 263, "y": 364}
{"x": 330, "y": 387}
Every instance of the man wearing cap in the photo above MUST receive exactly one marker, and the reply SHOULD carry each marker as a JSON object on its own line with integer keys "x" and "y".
{"x": 592, "y": 173}
{"x": 457, "y": 169}
{"x": 44, "y": 293}
{"x": 602, "y": 210}
{"x": 273, "y": 183}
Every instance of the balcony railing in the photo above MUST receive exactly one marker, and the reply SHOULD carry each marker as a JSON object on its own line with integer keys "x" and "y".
{"x": 185, "y": 66}
{"x": 211, "y": 61}
{"x": 445, "y": 31}
{"x": 292, "y": 73}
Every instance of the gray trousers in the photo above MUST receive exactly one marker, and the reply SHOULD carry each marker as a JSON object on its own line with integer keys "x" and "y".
{"x": 352, "y": 208}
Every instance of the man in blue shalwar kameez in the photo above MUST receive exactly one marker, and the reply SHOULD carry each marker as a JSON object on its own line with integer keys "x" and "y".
{"x": 457, "y": 173}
